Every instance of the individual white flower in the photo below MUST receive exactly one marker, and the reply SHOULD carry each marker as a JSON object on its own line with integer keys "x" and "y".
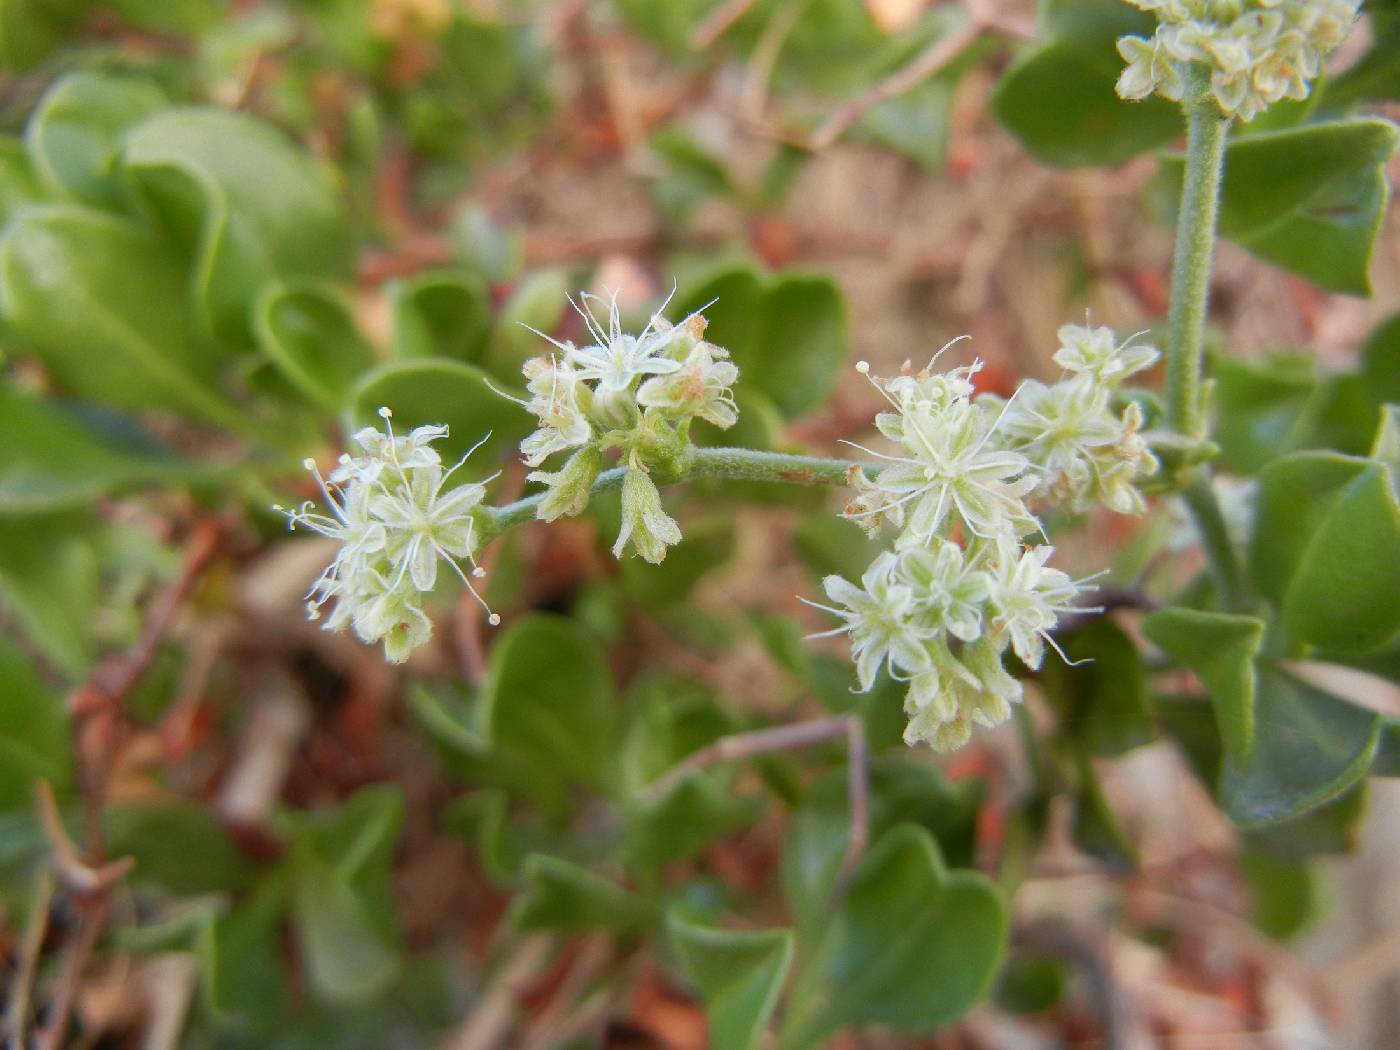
{"x": 954, "y": 467}
{"x": 557, "y": 393}
{"x": 699, "y": 388}
{"x": 395, "y": 517}
{"x": 1025, "y": 598}
{"x": 948, "y": 593}
{"x": 645, "y": 526}
{"x": 1096, "y": 354}
{"x": 877, "y": 618}
{"x": 617, "y": 359}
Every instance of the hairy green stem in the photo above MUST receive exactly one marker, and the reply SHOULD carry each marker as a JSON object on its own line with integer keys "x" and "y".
{"x": 1206, "y": 130}
{"x": 1195, "y": 244}
{"x": 737, "y": 464}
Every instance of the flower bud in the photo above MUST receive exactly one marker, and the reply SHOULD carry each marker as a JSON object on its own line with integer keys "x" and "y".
{"x": 645, "y": 526}
{"x": 568, "y": 487}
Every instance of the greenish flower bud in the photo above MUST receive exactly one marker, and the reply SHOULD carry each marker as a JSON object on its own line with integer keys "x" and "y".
{"x": 645, "y": 526}
{"x": 569, "y": 487}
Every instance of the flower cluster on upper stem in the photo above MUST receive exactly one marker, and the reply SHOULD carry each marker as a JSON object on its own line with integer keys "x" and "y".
{"x": 634, "y": 393}
{"x": 395, "y": 517}
{"x": 1257, "y": 52}
{"x": 960, "y": 584}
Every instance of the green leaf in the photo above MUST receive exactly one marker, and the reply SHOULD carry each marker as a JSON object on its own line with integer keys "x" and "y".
{"x": 35, "y": 743}
{"x": 1285, "y": 895}
{"x": 911, "y": 945}
{"x": 560, "y": 895}
{"x": 1295, "y": 495}
{"x": 1309, "y": 747}
{"x": 1333, "y": 828}
{"x": 19, "y": 183}
{"x": 247, "y": 204}
{"x": 75, "y": 133}
{"x": 437, "y": 390}
{"x": 1262, "y": 409}
{"x": 342, "y": 903}
{"x": 738, "y": 973}
{"x": 240, "y": 957}
{"x": 902, "y": 791}
{"x": 178, "y": 846}
{"x": 1101, "y": 691}
{"x": 306, "y": 331}
{"x": 55, "y": 456}
{"x": 1030, "y": 983}
{"x": 544, "y": 722}
{"x": 537, "y": 301}
{"x": 787, "y": 333}
{"x": 1308, "y": 199}
{"x": 1343, "y": 594}
{"x": 1220, "y": 648}
{"x": 696, "y": 811}
{"x": 49, "y": 584}
{"x": 440, "y": 313}
{"x": 102, "y": 302}
{"x": 1059, "y": 100}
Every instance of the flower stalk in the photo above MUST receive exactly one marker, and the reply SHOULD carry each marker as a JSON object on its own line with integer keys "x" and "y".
{"x": 1206, "y": 130}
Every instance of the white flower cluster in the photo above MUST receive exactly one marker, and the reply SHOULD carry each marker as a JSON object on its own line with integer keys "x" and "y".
{"x": 1257, "y": 51}
{"x": 394, "y": 516}
{"x": 960, "y": 585}
{"x": 636, "y": 393}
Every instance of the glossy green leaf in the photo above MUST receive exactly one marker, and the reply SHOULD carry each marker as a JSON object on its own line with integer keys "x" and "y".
{"x": 1309, "y": 747}
{"x": 911, "y": 945}
{"x": 559, "y": 895}
{"x": 1221, "y": 649}
{"x": 1308, "y": 199}
{"x": 1295, "y": 495}
{"x": 103, "y": 303}
{"x": 538, "y": 301}
{"x": 1058, "y": 97}
{"x": 247, "y": 203}
{"x": 437, "y": 390}
{"x": 440, "y": 313}
{"x": 76, "y": 132}
{"x": 307, "y": 331}
{"x": 56, "y": 456}
{"x": 342, "y": 904}
{"x": 1101, "y": 692}
{"x": 35, "y": 743}
{"x": 49, "y": 579}
{"x": 1343, "y": 593}
{"x": 787, "y": 333}
{"x": 738, "y": 974}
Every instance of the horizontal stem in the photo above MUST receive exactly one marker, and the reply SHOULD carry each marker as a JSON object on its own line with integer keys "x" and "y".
{"x": 736, "y": 464}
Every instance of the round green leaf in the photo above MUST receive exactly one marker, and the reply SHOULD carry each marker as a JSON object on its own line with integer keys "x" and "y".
{"x": 75, "y": 133}
{"x": 435, "y": 390}
{"x": 738, "y": 973}
{"x": 308, "y": 333}
{"x": 247, "y": 203}
{"x": 442, "y": 313}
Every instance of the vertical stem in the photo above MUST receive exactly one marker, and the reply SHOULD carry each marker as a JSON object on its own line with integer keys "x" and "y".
{"x": 1206, "y": 130}
{"x": 1195, "y": 243}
